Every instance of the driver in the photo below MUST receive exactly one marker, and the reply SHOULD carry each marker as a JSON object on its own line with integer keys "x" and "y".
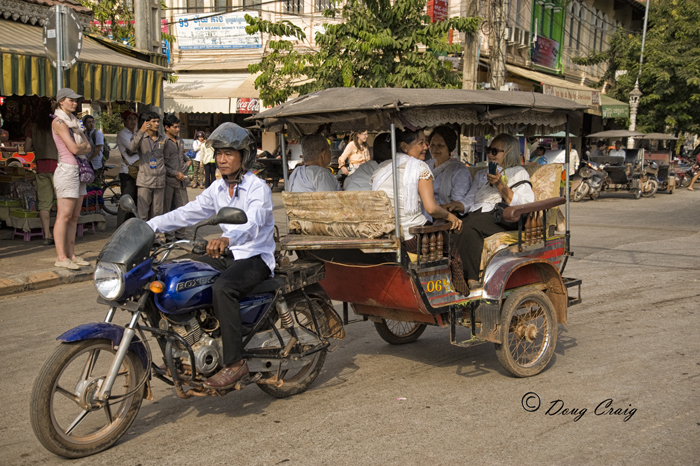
{"x": 251, "y": 244}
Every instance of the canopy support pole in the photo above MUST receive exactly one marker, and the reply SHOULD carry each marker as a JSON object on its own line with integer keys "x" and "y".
{"x": 285, "y": 173}
{"x": 567, "y": 189}
{"x": 395, "y": 180}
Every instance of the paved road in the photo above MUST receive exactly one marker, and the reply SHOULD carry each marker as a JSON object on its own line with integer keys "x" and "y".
{"x": 633, "y": 341}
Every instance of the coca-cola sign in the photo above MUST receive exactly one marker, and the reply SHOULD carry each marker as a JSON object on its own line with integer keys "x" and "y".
{"x": 248, "y": 105}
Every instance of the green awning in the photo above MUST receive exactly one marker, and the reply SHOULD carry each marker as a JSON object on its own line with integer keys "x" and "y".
{"x": 614, "y": 108}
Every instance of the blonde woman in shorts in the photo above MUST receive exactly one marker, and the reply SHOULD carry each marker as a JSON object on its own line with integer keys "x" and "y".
{"x": 70, "y": 143}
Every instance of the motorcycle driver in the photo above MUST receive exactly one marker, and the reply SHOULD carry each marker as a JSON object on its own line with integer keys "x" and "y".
{"x": 251, "y": 244}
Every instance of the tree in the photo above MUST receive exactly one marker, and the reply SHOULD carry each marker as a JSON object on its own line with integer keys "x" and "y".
{"x": 670, "y": 78}
{"x": 377, "y": 44}
{"x": 114, "y": 16}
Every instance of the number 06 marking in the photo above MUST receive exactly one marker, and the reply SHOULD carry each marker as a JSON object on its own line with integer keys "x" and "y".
{"x": 438, "y": 285}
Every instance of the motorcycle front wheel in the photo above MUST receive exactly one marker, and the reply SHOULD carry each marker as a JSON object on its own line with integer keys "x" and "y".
{"x": 63, "y": 413}
{"x": 580, "y": 192}
{"x": 649, "y": 187}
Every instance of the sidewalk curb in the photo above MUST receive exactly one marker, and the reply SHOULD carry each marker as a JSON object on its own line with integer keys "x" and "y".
{"x": 43, "y": 279}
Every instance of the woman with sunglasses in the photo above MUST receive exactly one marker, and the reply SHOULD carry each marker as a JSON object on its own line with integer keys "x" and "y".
{"x": 415, "y": 183}
{"x": 510, "y": 184}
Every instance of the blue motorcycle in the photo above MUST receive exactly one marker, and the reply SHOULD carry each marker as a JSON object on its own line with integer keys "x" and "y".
{"x": 90, "y": 390}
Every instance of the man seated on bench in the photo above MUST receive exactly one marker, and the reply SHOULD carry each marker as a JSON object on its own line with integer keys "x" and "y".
{"x": 313, "y": 175}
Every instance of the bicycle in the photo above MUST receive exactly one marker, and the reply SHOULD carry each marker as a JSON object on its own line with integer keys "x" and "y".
{"x": 111, "y": 192}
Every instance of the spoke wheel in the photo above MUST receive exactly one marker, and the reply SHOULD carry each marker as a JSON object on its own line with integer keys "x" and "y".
{"x": 580, "y": 192}
{"x": 111, "y": 194}
{"x": 397, "y": 332}
{"x": 64, "y": 411}
{"x": 650, "y": 187}
{"x": 295, "y": 381}
{"x": 528, "y": 333}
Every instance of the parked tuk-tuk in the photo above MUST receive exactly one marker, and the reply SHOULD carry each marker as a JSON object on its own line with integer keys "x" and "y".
{"x": 658, "y": 164}
{"x": 354, "y": 236}
{"x": 627, "y": 174}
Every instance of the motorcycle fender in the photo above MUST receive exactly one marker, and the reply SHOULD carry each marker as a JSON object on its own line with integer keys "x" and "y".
{"x": 106, "y": 330}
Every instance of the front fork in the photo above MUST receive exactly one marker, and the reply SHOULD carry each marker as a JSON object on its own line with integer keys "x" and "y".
{"x": 123, "y": 348}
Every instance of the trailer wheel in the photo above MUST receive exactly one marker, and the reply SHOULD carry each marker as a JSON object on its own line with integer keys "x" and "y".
{"x": 399, "y": 333}
{"x": 528, "y": 333}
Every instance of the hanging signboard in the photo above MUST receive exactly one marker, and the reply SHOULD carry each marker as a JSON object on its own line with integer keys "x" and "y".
{"x": 590, "y": 98}
{"x": 248, "y": 105}
{"x": 545, "y": 52}
{"x": 225, "y": 31}
{"x": 437, "y": 10}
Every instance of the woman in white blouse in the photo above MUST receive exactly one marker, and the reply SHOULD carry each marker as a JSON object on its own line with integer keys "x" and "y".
{"x": 415, "y": 185}
{"x": 452, "y": 179}
{"x": 511, "y": 185}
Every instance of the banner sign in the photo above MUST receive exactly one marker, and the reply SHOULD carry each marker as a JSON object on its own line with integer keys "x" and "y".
{"x": 225, "y": 31}
{"x": 590, "y": 98}
{"x": 545, "y": 52}
{"x": 248, "y": 105}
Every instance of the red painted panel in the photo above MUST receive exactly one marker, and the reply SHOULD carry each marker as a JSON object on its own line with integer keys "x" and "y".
{"x": 384, "y": 286}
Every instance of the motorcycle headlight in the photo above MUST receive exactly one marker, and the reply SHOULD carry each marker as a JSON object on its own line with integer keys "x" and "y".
{"x": 109, "y": 280}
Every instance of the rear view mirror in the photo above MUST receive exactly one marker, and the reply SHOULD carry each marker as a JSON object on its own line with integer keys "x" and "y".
{"x": 127, "y": 203}
{"x": 228, "y": 215}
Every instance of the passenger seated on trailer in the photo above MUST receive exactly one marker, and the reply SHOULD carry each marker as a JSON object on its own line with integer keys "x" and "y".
{"x": 313, "y": 175}
{"x": 415, "y": 184}
{"x": 619, "y": 153}
{"x": 359, "y": 179}
{"x": 510, "y": 185}
{"x": 452, "y": 179}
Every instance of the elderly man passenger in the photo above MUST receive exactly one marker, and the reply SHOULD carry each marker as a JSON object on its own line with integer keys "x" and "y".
{"x": 618, "y": 152}
{"x": 511, "y": 184}
{"x": 452, "y": 179}
{"x": 313, "y": 175}
{"x": 359, "y": 179}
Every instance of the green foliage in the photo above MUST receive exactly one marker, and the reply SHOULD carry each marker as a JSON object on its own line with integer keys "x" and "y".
{"x": 120, "y": 16}
{"x": 670, "y": 79}
{"x": 111, "y": 123}
{"x": 378, "y": 44}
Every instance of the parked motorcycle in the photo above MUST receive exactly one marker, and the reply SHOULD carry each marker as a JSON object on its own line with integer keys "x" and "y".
{"x": 593, "y": 176}
{"x": 650, "y": 181}
{"x": 90, "y": 390}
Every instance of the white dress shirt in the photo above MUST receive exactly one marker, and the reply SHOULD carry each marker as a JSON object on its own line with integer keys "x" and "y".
{"x": 359, "y": 180}
{"x": 245, "y": 241}
{"x": 123, "y": 143}
{"x": 485, "y": 197}
{"x": 459, "y": 183}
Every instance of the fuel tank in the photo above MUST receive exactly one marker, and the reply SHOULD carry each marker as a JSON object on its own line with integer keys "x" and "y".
{"x": 187, "y": 286}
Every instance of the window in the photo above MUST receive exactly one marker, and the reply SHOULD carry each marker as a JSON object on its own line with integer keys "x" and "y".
{"x": 322, "y": 5}
{"x": 252, "y": 4}
{"x": 293, "y": 6}
{"x": 195, "y": 6}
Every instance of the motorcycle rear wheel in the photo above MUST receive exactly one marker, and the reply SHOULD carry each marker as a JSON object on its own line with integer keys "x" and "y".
{"x": 296, "y": 381}
{"x": 57, "y": 396}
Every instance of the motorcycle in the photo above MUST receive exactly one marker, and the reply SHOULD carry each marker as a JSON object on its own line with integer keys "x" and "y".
{"x": 90, "y": 390}
{"x": 650, "y": 180}
{"x": 593, "y": 176}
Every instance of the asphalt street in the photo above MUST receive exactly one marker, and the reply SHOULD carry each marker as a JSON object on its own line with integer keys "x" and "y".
{"x": 631, "y": 346}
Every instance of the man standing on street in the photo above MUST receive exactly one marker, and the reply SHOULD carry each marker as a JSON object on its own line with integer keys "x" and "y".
{"x": 151, "y": 178}
{"x": 251, "y": 244}
{"x": 176, "y": 165}
{"x": 130, "y": 161}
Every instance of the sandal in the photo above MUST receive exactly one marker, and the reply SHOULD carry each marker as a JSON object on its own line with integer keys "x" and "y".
{"x": 66, "y": 264}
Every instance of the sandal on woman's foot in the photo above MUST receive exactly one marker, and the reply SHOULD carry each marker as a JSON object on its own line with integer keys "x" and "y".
{"x": 78, "y": 261}
{"x": 66, "y": 264}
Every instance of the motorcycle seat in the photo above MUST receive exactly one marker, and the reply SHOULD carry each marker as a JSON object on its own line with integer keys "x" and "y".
{"x": 270, "y": 285}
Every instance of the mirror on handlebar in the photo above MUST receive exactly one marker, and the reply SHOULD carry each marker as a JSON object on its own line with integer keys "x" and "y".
{"x": 126, "y": 202}
{"x": 229, "y": 215}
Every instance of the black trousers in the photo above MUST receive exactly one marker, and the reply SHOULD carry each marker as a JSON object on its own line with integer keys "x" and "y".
{"x": 475, "y": 227}
{"x": 127, "y": 186}
{"x": 209, "y": 174}
{"x": 238, "y": 278}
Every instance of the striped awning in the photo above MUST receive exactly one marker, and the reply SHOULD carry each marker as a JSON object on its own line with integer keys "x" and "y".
{"x": 100, "y": 74}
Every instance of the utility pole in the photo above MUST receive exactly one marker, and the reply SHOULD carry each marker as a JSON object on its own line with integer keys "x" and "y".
{"x": 470, "y": 57}
{"x": 147, "y": 25}
{"x": 497, "y": 44}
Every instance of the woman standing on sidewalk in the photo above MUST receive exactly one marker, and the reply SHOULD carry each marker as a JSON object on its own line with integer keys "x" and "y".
{"x": 70, "y": 143}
